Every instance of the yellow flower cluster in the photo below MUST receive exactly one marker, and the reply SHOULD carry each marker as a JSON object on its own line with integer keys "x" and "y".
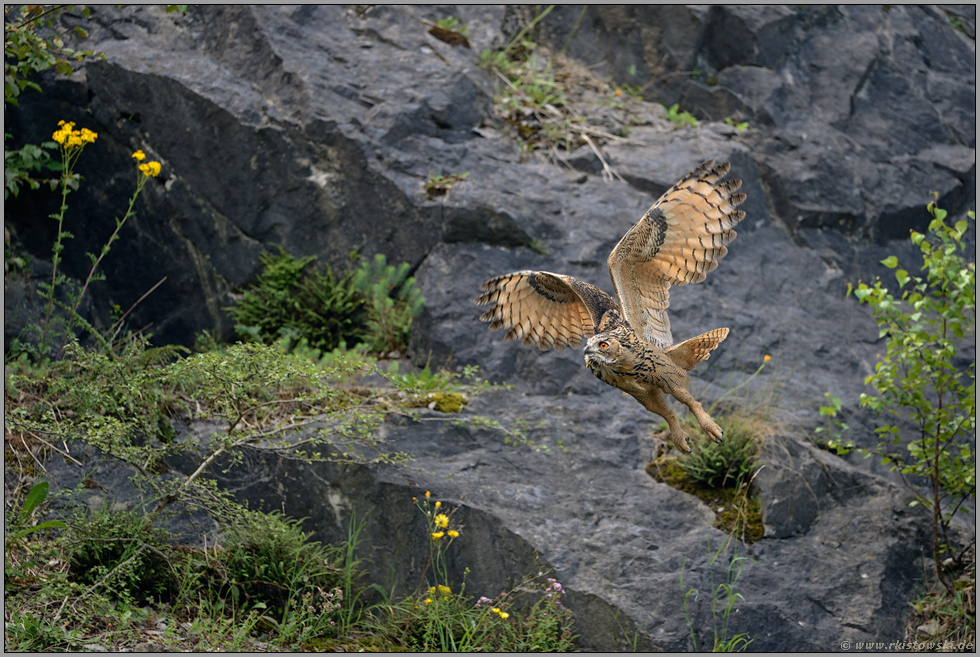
{"x": 502, "y": 614}
{"x": 67, "y": 136}
{"x": 149, "y": 169}
{"x": 439, "y": 521}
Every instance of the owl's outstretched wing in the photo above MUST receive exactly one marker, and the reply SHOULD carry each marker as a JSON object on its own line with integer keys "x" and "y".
{"x": 552, "y": 311}
{"x": 679, "y": 240}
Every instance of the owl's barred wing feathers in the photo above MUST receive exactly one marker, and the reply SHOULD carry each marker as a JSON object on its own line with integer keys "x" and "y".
{"x": 689, "y": 353}
{"x": 552, "y": 311}
{"x": 679, "y": 240}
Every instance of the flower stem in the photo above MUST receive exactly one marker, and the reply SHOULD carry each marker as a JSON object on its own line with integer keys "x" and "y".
{"x": 106, "y": 247}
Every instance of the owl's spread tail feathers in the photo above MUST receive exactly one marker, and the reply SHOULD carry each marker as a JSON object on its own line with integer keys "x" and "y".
{"x": 689, "y": 353}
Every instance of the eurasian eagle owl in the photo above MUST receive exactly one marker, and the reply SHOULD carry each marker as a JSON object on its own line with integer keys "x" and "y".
{"x": 628, "y": 344}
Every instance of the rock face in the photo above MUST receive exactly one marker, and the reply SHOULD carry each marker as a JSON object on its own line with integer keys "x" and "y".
{"x": 316, "y": 127}
{"x": 856, "y": 101}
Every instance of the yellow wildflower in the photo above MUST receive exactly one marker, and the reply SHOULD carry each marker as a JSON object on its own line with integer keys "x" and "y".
{"x": 426, "y": 494}
{"x": 437, "y": 535}
{"x": 139, "y": 155}
{"x": 60, "y": 136}
{"x": 619, "y": 92}
{"x": 453, "y": 533}
{"x": 438, "y": 504}
{"x": 442, "y": 520}
{"x": 504, "y": 615}
{"x": 495, "y": 610}
{"x": 428, "y": 600}
{"x": 88, "y": 136}
{"x": 444, "y": 589}
{"x": 150, "y": 169}
{"x": 766, "y": 358}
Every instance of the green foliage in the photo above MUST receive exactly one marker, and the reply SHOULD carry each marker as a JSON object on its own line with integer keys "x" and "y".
{"x": 956, "y": 23}
{"x": 17, "y": 523}
{"x": 730, "y": 462}
{"x": 392, "y": 301}
{"x": 441, "y": 617}
{"x": 680, "y": 118}
{"x": 948, "y": 619}
{"x": 268, "y": 561}
{"x": 26, "y": 51}
{"x": 453, "y": 24}
{"x": 918, "y": 378}
{"x": 18, "y": 166}
{"x": 738, "y": 125}
{"x": 26, "y": 633}
{"x": 374, "y": 305}
{"x": 119, "y": 551}
{"x": 834, "y": 429}
{"x": 450, "y": 30}
{"x": 290, "y": 299}
{"x": 71, "y": 144}
{"x": 439, "y": 185}
{"x": 531, "y": 95}
{"x": 723, "y": 600}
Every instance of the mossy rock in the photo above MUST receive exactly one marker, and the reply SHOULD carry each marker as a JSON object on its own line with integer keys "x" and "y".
{"x": 445, "y": 402}
{"x": 734, "y": 510}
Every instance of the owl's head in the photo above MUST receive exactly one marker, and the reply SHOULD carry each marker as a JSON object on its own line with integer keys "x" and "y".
{"x": 603, "y": 350}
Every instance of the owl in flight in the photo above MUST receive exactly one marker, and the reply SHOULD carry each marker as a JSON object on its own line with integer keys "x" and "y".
{"x": 628, "y": 344}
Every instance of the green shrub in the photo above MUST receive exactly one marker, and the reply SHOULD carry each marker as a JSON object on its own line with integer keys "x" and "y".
{"x": 727, "y": 463}
{"x": 917, "y": 378}
{"x": 373, "y": 305}
{"x": 267, "y": 558}
{"x": 289, "y": 299}
{"x": 392, "y": 301}
{"x": 120, "y": 552}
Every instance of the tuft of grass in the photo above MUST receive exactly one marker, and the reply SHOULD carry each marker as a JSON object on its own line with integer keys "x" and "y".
{"x": 944, "y": 620}
{"x": 720, "y": 474}
{"x": 452, "y": 31}
{"x": 739, "y": 126}
{"x": 680, "y": 118}
{"x": 440, "y": 185}
{"x": 724, "y": 464}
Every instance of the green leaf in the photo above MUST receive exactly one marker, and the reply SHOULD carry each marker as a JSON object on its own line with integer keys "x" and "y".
{"x": 902, "y": 277}
{"x": 34, "y": 498}
{"x": 891, "y": 262}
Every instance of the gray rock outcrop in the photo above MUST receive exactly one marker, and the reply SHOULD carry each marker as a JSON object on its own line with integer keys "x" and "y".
{"x": 316, "y": 127}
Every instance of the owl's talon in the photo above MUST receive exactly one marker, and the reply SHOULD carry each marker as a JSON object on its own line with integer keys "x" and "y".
{"x": 713, "y": 430}
{"x": 680, "y": 442}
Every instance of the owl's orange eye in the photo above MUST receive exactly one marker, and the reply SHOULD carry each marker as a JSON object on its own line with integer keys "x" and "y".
{"x": 603, "y": 345}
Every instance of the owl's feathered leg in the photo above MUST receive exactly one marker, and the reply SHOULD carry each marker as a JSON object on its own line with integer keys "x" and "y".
{"x": 707, "y": 424}
{"x": 653, "y": 400}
